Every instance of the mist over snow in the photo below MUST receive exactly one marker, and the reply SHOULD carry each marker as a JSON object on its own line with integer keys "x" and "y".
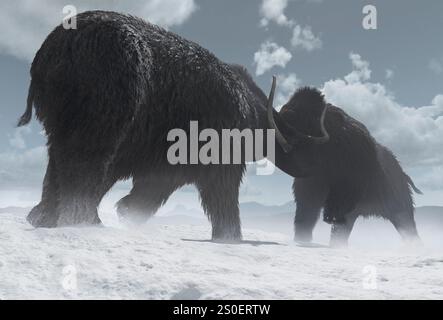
{"x": 171, "y": 257}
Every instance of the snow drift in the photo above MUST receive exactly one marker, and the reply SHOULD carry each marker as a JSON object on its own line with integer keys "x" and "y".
{"x": 175, "y": 261}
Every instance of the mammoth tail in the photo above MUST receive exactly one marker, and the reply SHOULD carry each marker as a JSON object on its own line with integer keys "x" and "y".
{"x": 26, "y": 117}
{"x": 411, "y": 183}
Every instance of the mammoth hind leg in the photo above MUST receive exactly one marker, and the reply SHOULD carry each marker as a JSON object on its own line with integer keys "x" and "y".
{"x": 44, "y": 215}
{"x": 83, "y": 179}
{"x": 404, "y": 222}
{"x": 148, "y": 194}
{"x": 219, "y": 190}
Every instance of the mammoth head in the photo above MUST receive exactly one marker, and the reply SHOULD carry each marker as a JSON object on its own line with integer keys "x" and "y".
{"x": 286, "y": 134}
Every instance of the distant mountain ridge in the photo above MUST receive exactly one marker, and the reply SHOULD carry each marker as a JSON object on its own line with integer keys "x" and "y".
{"x": 255, "y": 209}
{"x": 15, "y": 210}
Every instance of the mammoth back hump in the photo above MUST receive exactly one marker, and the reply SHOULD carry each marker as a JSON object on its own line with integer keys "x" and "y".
{"x": 351, "y": 148}
{"x": 100, "y": 68}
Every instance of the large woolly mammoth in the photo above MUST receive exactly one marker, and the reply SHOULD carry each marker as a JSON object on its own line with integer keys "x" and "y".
{"x": 108, "y": 93}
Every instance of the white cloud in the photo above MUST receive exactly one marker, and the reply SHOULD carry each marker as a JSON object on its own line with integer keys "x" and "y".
{"x": 436, "y": 66}
{"x": 389, "y": 74}
{"x": 361, "y": 71}
{"x": 16, "y": 140}
{"x": 270, "y": 55}
{"x": 273, "y": 10}
{"x": 22, "y": 168}
{"x": 26, "y": 23}
{"x": 435, "y": 109}
{"x": 414, "y": 134}
{"x": 287, "y": 85}
{"x": 302, "y": 37}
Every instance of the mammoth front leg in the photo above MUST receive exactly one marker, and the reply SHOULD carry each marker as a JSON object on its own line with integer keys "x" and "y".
{"x": 148, "y": 194}
{"x": 340, "y": 232}
{"x": 339, "y": 211}
{"x": 310, "y": 194}
{"x": 306, "y": 217}
{"x": 340, "y": 202}
{"x": 219, "y": 191}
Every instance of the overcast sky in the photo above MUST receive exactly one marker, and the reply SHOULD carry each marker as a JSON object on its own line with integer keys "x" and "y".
{"x": 390, "y": 78}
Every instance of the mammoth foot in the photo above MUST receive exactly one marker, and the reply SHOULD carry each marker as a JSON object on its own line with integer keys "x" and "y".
{"x": 78, "y": 218}
{"x": 41, "y": 218}
{"x": 128, "y": 213}
{"x": 233, "y": 236}
{"x": 413, "y": 241}
{"x": 303, "y": 237}
{"x": 338, "y": 243}
{"x": 303, "y": 232}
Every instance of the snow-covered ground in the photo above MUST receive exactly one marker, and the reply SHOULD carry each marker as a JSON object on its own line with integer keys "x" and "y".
{"x": 156, "y": 261}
